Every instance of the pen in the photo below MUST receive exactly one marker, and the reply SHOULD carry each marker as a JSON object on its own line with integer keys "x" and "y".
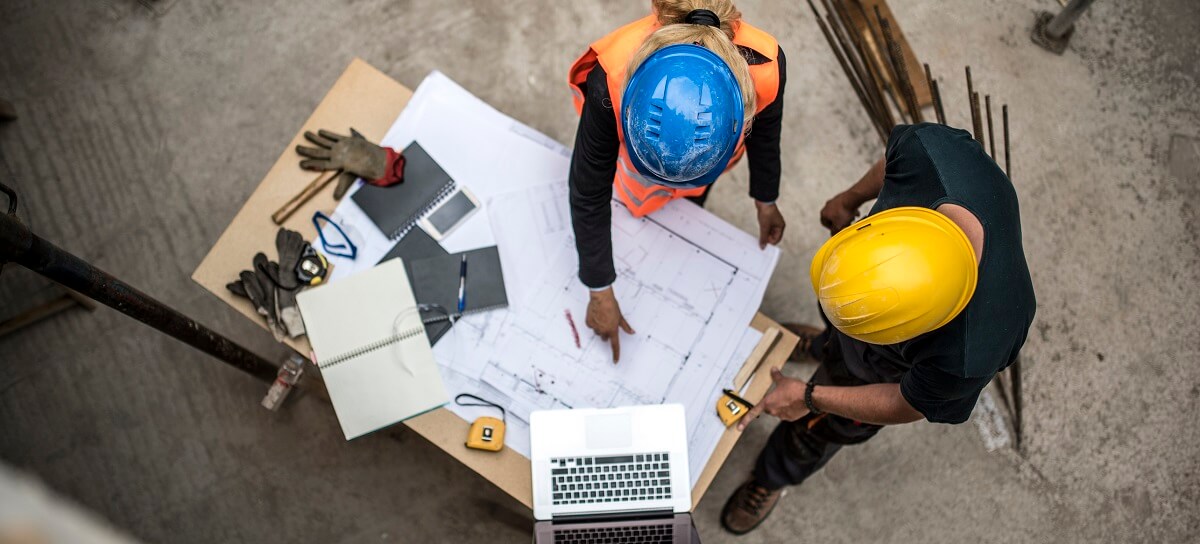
{"x": 462, "y": 284}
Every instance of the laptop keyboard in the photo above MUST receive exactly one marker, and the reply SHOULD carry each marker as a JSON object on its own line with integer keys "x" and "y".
{"x": 642, "y": 533}
{"x": 613, "y": 478}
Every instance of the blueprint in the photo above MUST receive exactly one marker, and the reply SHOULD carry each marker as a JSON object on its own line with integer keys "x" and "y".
{"x": 688, "y": 302}
{"x": 688, "y": 282}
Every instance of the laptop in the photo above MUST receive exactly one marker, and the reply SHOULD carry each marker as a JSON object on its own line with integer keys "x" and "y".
{"x": 611, "y": 475}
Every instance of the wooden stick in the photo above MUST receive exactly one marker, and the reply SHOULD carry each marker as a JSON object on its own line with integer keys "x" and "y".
{"x": 306, "y": 194}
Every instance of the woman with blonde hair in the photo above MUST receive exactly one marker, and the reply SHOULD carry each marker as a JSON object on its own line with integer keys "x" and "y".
{"x": 666, "y": 104}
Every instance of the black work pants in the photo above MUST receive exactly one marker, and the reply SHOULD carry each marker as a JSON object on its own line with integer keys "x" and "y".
{"x": 799, "y": 448}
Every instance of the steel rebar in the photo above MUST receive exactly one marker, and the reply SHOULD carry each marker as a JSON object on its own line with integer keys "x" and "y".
{"x": 937, "y": 106}
{"x": 872, "y": 85}
{"x": 987, "y": 101}
{"x": 846, "y": 69}
{"x": 901, "y": 70}
{"x": 1007, "y": 163}
{"x": 937, "y": 102}
{"x": 852, "y": 59}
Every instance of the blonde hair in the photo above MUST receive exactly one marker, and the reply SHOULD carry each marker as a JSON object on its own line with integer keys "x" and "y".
{"x": 674, "y": 30}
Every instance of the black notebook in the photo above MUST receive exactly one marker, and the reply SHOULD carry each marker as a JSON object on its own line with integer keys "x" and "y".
{"x": 435, "y": 281}
{"x": 396, "y": 209}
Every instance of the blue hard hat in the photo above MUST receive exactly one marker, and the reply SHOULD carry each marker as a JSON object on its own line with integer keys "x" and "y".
{"x": 682, "y": 114}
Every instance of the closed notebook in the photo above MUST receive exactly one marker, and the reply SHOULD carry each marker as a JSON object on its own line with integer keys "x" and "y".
{"x": 396, "y": 209}
{"x": 435, "y": 281}
{"x": 372, "y": 349}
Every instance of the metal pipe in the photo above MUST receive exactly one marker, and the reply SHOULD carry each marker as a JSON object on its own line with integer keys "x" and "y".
{"x": 987, "y": 100}
{"x": 1061, "y": 24}
{"x": 19, "y": 245}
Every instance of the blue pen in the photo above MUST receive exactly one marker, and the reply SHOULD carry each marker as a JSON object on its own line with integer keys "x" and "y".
{"x": 462, "y": 284}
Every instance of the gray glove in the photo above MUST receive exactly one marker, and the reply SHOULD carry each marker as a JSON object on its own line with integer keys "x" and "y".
{"x": 290, "y": 246}
{"x": 353, "y": 155}
{"x": 257, "y": 286}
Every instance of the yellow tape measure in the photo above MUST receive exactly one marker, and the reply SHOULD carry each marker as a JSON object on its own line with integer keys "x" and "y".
{"x": 486, "y": 433}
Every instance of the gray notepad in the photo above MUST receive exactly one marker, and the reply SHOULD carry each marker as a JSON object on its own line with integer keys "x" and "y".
{"x": 396, "y": 209}
{"x": 435, "y": 281}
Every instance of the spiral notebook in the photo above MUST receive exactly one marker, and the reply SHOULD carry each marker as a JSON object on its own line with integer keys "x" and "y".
{"x": 371, "y": 347}
{"x": 396, "y": 209}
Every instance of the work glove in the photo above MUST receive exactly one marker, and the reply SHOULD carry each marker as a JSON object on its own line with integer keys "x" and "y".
{"x": 257, "y": 286}
{"x": 290, "y": 245}
{"x": 353, "y": 156}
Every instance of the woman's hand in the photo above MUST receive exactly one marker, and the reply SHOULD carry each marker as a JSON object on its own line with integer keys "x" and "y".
{"x": 770, "y": 224}
{"x": 839, "y": 212}
{"x": 785, "y": 400}
{"x": 604, "y": 317}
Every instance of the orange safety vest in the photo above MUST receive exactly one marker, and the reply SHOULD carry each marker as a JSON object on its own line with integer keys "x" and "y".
{"x": 613, "y": 52}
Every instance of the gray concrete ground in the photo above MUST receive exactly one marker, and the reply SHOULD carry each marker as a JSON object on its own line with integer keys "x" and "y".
{"x": 144, "y": 125}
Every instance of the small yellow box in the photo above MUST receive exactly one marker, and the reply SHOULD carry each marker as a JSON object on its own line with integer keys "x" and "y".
{"x": 731, "y": 408}
{"x": 487, "y": 433}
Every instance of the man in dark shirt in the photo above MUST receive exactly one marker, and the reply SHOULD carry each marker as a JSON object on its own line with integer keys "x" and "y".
{"x": 594, "y": 164}
{"x": 937, "y": 375}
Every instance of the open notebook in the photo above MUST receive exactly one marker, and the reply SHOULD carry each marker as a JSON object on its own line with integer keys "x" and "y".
{"x": 372, "y": 349}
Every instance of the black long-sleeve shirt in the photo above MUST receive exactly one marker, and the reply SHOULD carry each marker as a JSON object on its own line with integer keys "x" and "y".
{"x": 594, "y": 163}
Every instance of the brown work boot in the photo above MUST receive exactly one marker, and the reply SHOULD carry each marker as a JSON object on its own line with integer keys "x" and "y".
{"x": 747, "y": 507}
{"x": 808, "y": 334}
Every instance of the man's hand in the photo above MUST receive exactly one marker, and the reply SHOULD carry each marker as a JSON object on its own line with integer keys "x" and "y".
{"x": 784, "y": 401}
{"x": 604, "y": 317}
{"x": 839, "y": 212}
{"x": 770, "y": 224}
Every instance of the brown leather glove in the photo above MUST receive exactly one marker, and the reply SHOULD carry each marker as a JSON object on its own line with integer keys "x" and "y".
{"x": 353, "y": 155}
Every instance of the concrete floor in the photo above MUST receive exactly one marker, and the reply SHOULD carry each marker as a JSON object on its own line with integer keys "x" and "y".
{"x": 144, "y": 125}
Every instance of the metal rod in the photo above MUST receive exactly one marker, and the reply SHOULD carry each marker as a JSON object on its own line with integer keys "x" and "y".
{"x": 971, "y": 106}
{"x": 1062, "y": 23}
{"x": 1007, "y": 164}
{"x": 897, "y": 55}
{"x": 860, "y": 78}
{"x": 987, "y": 100}
{"x": 871, "y": 85}
{"x": 977, "y": 120}
{"x": 1017, "y": 403}
{"x": 846, "y": 68}
{"x": 19, "y": 245}
{"x": 937, "y": 102}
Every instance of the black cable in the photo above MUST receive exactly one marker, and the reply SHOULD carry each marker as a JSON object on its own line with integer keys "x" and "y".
{"x": 482, "y": 402}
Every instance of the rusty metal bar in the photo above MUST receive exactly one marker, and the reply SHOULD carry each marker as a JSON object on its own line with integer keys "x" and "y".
{"x": 852, "y": 60}
{"x": 846, "y": 68}
{"x": 872, "y": 86}
{"x": 937, "y": 99}
{"x": 21, "y": 246}
{"x": 973, "y": 105}
{"x": 1007, "y": 164}
{"x": 987, "y": 100}
{"x": 937, "y": 103}
{"x": 1018, "y": 405}
{"x": 902, "y": 79}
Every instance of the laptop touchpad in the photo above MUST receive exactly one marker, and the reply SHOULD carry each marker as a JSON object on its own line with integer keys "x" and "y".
{"x": 609, "y": 431}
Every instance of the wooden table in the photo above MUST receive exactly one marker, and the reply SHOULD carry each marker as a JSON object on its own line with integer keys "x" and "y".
{"x": 369, "y": 101}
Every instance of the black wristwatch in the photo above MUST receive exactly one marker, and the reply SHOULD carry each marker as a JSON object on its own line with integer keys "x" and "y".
{"x": 808, "y": 403}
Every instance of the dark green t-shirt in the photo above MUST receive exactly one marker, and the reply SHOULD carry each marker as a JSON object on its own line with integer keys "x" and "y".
{"x": 942, "y": 372}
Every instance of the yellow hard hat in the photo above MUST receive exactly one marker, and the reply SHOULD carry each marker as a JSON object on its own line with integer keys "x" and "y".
{"x": 895, "y": 275}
